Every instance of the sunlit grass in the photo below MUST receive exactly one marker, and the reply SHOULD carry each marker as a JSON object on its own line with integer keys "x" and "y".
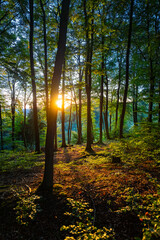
{"x": 20, "y": 160}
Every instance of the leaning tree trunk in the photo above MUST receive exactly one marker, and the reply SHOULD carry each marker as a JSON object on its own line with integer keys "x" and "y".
{"x": 35, "y": 112}
{"x": 47, "y": 184}
{"x": 127, "y": 70}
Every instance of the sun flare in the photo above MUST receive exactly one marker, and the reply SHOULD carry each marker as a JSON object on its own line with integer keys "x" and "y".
{"x": 59, "y": 103}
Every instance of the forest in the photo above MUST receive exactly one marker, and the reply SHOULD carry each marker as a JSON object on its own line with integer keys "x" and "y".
{"x": 80, "y": 119}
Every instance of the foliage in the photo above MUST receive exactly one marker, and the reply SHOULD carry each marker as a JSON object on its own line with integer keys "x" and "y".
{"x": 27, "y": 207}
{"x": 147, "y": 208}
{"x": 19, "y": 160}
{"x": 83, "y": 223}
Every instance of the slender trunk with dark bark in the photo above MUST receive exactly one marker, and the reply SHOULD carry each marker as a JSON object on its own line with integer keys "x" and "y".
{"x": 127, "y": 70}
{"x": 63, "y": 113}
{"x": 80, "y": 109}
{"x": 101, "y": 95}
{"x": 45, "y": 57}
{"x": 1, "y": 128}
{"x": 151, "y": 77}
{"x": 70, "y": 123}
{"x": 24, "y": 120}
{"x": 47, "y": 184}
{"x": 35, "y": 112}
{"x": 106, "y": 113}
{"x": 88, "y": 76}
{"x": 135, "y": 104}
{"x": 118, "y": 90}
{"x": 13, "y": 104}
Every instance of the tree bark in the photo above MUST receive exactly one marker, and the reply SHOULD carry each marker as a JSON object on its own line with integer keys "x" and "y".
{"x": 135, "y": 104}
{"x": 45, "y": 57}
{"x": 24, "y": 120}
{"x": 118, "y": 90}
{"x": 1, "y": 128}
{"x": 127, "y": 69}
{"x": 88, "y": 77}
{"x": 106, "y": 113}
{"x": 35, "y": 112}
{"x": 151, "y": 88}
{"x": 13, "y": 113}
{"x": 63, "y": 113}
{"x": 47, "y": 184}
{"x": 101, "y": 94}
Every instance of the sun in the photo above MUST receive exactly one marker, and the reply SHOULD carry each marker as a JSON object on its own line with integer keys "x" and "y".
{"x": 59, "y": 103}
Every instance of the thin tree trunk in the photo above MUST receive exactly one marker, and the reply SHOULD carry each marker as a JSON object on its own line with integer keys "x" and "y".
{"x": 101, "y": 94}
{"x": 135, "y": 104}
{"x": 35, "y": 112}
{"x": 151, "y": 89}
{"x": 70, "y": 123}
{"x": 80, "y": 109}
{"x": 45, "y": 57}
{"x": 63, "y": 113}
{"x": 106, "y": 113}
{"x": 118, "y": 90}
{"x": 80, "y": 100}
{"x": 88, "y": 77}
{"x": 13, "y": 114}
{"x": 47, "y": 184}
{"x": 1, "y": 128}
{"x": 127, "y": 70}
{"x": 24, "y": 120}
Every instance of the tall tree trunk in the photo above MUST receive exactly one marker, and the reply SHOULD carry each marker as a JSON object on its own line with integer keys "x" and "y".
{"x": 118, "y": 90}
{"x": 24, "y": 120}
{"x": 35, "y": 112}
{"x": 63, "y": 113}
{"x": 151, "y": 88}
{"x": 80, "y": 108}
{"x": 70, "y": 123}
{"x": 45, "y": 57}
{"x": 127, "y": 70}
{"x": 135, "y": 104}
{"x": 101, "y": 94}
{"x": 88, "y": 77}
{"x": 13, "y": 113}
{"x": 80, "y": 100}
{"x": 1, "y": 128}
{"x": 47, "y": 184}
{"x": 159, "y": 104}
{"x": 106, "y": 113}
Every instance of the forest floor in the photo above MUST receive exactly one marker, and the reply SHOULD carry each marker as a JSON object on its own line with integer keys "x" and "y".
{"x": 119, "y": 181}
